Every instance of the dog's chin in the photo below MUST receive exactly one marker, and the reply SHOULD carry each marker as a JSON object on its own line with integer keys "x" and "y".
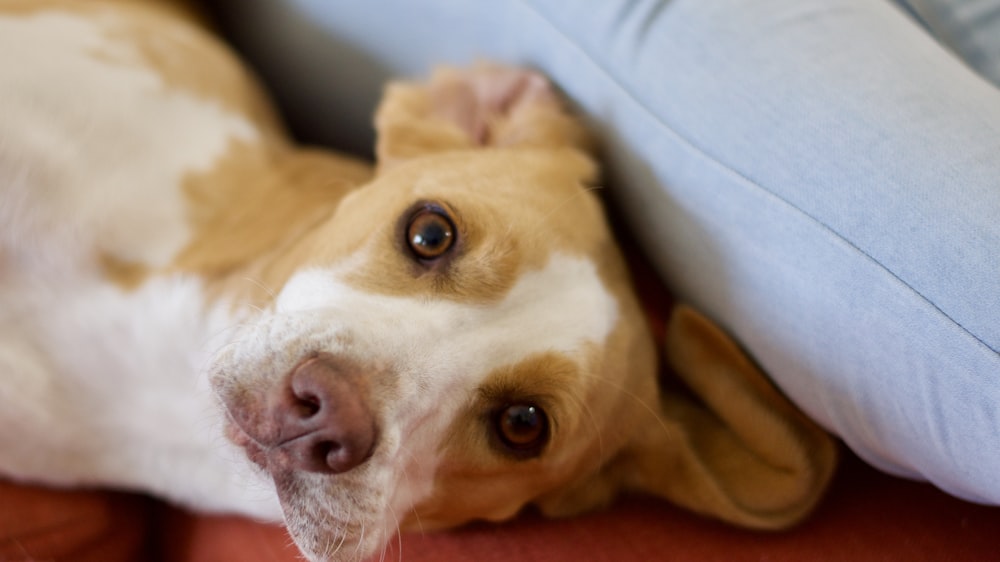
{"x": 330, "y": 518}
{"x": 336, "y": 518}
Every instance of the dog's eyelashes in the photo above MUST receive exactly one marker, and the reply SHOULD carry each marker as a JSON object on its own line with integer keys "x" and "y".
{"x": 523, "y": 429}
{"x": 430, "y": 233}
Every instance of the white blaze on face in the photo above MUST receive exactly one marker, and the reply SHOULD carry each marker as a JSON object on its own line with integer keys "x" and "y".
{"x": 90, "y": 129}
{"x": 557, "y": 308}
{"x": 441, "y": 350}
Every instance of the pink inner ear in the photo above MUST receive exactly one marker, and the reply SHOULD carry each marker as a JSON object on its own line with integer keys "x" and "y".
{"x": 456, "y": 102}
{"x": 474, "y": 99}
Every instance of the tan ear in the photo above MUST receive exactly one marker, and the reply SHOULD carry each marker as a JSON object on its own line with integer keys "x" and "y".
{"x": 737, "y": 450}
{"x": 482, "y": 106}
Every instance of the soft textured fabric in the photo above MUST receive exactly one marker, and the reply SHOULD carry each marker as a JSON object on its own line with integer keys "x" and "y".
{"x": 820, "y": 176}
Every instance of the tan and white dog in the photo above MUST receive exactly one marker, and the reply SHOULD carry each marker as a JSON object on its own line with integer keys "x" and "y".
{"x": 449, "y": 336}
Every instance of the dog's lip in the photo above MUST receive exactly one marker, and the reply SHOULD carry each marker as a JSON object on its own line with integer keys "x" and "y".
{"x": 253, "y": 450}
{"x": 235, "y": 433}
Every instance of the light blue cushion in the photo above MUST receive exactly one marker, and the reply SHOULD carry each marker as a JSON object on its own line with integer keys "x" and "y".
{"x": 820, "y": 176}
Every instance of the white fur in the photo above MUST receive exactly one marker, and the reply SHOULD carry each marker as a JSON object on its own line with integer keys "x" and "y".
{"x": 99, "y": 385}
{"x": 102, "y": 386}
{"x": 78, "y": 165}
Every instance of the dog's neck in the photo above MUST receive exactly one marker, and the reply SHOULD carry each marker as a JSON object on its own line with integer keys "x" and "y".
{"x": 252, "y": 213}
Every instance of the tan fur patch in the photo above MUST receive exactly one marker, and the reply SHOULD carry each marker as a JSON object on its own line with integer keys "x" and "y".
{"x": 126, "y": 275}
{"x": 255, "y": 204}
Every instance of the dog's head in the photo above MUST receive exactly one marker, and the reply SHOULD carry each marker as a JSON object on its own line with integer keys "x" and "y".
{"x": 460, "y": 339}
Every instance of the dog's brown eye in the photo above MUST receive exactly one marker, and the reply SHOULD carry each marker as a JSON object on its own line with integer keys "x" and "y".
{"x": 523, "y": 428}
{"x": 430, "y": 234}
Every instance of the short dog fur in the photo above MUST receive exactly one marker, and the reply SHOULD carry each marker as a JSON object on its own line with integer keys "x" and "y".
{"x": 193, "y": 306}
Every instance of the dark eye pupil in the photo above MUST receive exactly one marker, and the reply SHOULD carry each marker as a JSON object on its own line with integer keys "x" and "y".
{"x": 430, "y": 234}
{"x": 523, "y": 426}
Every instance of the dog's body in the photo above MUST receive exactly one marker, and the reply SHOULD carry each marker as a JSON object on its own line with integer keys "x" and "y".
{"x": 449, "y": 339}
{"x": 93, "y": 153}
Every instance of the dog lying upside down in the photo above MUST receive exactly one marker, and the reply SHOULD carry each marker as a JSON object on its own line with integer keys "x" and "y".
{"x": 194, "y": 306}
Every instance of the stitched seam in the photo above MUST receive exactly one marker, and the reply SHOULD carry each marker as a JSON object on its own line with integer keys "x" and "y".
{"x": 618, "y": 84}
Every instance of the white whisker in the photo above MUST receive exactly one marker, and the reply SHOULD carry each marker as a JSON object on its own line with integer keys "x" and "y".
{"x": 270, "y": 292}
{"x": 566, "y": 201}
{"x": 631, "y": 395}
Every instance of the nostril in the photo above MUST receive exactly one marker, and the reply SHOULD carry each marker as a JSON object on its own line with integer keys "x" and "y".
{"x": 329, "y": 456}
{"x": 307, "y": 405}
{"x": 324, "y": 452}
{"x": 340, "y": 456}
{"x": 311, "y": 454}
{"x": 329, "y": 447}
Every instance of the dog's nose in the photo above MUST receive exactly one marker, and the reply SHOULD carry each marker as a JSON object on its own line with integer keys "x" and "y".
{"x": 323, "y": 420}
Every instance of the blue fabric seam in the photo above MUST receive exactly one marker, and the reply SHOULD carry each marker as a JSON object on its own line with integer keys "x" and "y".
{"x": 742, "y": 177}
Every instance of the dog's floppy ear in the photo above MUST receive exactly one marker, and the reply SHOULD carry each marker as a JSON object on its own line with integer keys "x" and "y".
{"x": 485, "y": 105}
{"x": 736, "y": 449}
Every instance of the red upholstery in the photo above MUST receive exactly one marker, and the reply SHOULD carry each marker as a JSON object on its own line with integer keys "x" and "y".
{"x": 82, "y": 526}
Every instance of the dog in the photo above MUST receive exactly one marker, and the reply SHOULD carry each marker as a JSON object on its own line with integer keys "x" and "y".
{"x": 196, "y": 307}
